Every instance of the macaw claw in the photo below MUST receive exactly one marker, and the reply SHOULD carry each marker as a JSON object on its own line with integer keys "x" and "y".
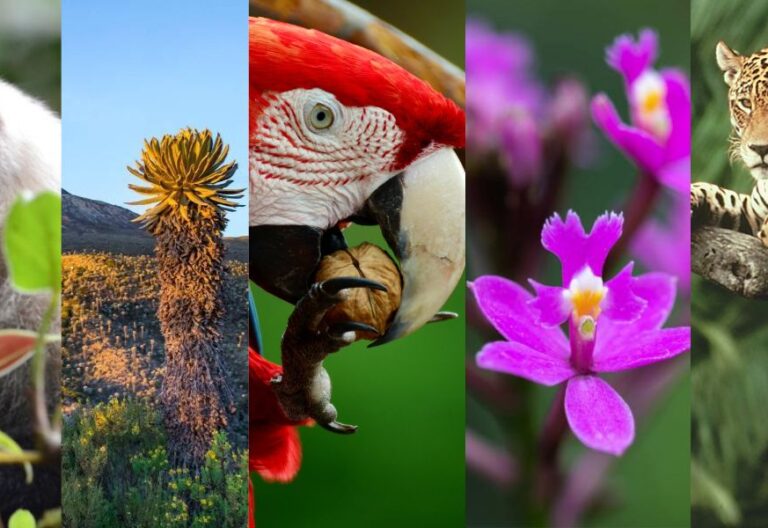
{"x": 334, "y": 286}
{"x": 443, "y": 316}
{"x": 339, "y": 329}
{"x": 338, "y": 427}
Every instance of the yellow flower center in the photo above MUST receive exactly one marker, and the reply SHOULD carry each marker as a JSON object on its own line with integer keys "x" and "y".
{"x": 585, "y": 295}
{"x": 587, "y": 302}
{"x": 649, "y": 94}
{"x": 651, "y": 102}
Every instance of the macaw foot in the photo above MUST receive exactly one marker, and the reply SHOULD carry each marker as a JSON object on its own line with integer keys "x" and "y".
{"x": 305, "y": 387}
{"x": 323, "y": 296}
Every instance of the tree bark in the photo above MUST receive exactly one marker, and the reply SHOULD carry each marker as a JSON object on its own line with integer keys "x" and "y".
{"x": 353, "y": 24}
{"x": 735, "y": 261}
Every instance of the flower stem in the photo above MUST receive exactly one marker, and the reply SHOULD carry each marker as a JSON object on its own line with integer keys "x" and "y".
{"x": 548, "y": 474}
{"x": 49, "y": 437}
{"x": 637, "y": 208}
{"x": 490, "y": 461}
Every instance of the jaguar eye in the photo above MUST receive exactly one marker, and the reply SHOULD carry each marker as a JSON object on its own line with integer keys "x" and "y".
{"x": 746, "y": 104}
{"x": 320, "y": 117}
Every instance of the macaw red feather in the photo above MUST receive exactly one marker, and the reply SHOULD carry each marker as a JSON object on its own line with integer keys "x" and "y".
{"x": 273, "y": 442}
{"x": 285, "y": 57}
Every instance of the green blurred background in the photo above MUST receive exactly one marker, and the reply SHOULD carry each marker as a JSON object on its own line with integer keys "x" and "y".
{"x": 30, "y": 47}
{"x": 405, "y": 465}
{"x": 730, "y": 339}
{"x": 650, "y": 484}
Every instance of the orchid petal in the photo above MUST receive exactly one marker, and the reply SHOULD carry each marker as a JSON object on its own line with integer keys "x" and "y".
{"x": 642, "y": 349}
{"x": 598, "y": 416}
{"x": 676, "y": 175}
{"x": 631, "y": 58}
{"x": 658, "y": 290}
{"x": 638, "y": 145}
{"x": 517, "y": 359}
{"x": 505, "y": 305}
{"x": 621, "y": 304}
{"x": 550, "y": 304}
{"x": 679, "y": 108}
{"x": 576, "y": 249}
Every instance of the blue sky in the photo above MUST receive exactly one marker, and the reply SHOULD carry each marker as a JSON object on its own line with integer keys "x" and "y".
{"x": 146, "y": 71}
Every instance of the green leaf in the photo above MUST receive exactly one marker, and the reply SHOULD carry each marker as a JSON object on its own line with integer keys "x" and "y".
{"x": 9, "y": 445}
{"x": 33, "y": 243}
{"x": 22, "y": 519}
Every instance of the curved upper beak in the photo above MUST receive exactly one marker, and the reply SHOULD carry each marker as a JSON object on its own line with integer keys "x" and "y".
{"x": 421, "y": 213}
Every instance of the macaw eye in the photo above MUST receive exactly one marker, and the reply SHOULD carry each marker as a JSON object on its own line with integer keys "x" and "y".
{"x": 745, "y": 103}
{"x": 320, "y": 117}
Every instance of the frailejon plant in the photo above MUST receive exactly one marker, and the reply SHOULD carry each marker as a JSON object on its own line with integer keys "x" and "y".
{"x": 32, "y": 251}
{"x": 186, "y": 180}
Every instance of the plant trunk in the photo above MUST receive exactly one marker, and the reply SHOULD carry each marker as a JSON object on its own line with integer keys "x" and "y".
{"x": 196, "y": 394}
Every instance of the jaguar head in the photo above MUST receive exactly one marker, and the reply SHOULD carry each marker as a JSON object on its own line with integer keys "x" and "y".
{"x": 747, "y": 80}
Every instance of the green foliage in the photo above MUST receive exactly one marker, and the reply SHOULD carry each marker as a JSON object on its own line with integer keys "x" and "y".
{"x": 729, "y": 363}
{"x": 33, "y": 243}
{"x": 22, "y": 519}
{"x": 117, "y": 473}
{"x": 9, "y": 445}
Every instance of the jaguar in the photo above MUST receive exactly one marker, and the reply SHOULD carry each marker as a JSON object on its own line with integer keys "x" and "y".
{"x": 712, "y": 205}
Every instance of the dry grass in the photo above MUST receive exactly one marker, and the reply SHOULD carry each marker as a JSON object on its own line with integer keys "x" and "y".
{"x": 112, "y": 341}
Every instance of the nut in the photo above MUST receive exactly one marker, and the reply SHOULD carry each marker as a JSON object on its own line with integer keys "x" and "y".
{"x": 364, "y": 305}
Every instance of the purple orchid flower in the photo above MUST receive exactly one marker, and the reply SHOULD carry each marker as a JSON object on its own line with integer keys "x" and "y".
{"x": 511, "y": 112}
{"x": 612, "y": 326}
{"x": 659, "y": 137}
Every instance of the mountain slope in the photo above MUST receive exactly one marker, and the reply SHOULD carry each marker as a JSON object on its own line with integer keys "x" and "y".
{"x": 92, "y": 225}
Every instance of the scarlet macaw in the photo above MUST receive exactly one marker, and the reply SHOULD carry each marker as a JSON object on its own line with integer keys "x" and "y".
{"x": 339, "y": 134}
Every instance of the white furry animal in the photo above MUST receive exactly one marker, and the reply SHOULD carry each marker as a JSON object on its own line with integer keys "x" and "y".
{"x": 30, "y": 146}
{"x": 30, "y": 160}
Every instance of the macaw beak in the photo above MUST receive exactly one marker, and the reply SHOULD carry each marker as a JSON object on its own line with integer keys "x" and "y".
{"x": 421, "y": 213}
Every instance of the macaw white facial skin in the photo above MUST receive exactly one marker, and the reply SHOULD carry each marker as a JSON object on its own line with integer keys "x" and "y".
{"x": 316, "y": 160}
{"x": 30, "y": 146}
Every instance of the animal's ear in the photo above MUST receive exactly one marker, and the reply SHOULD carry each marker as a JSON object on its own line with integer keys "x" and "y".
{"x": 729, "y": 61}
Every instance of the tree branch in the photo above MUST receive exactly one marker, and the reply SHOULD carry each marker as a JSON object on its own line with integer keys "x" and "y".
{"x": 735, "y": 261}
{"x": 353, "y": 24}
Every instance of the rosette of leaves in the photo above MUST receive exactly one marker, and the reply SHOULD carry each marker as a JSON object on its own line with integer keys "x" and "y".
{"x": 186, "y": 180}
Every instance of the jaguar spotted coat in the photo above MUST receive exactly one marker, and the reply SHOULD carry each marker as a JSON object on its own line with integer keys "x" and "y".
{"x": 747, "y": 80}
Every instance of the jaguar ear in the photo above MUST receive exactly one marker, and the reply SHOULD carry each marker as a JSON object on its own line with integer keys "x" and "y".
{"x": 729, "y": 61}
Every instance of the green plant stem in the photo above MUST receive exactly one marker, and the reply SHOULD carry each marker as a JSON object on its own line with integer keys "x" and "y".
{"x": 550, "y": 441}
{"x": 25, "y": 457}
{"x": 49, "y": 438}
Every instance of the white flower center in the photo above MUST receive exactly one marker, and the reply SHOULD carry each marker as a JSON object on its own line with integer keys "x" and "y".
{"x": 584, "y": 295}
{"x": 649, "y": 100}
